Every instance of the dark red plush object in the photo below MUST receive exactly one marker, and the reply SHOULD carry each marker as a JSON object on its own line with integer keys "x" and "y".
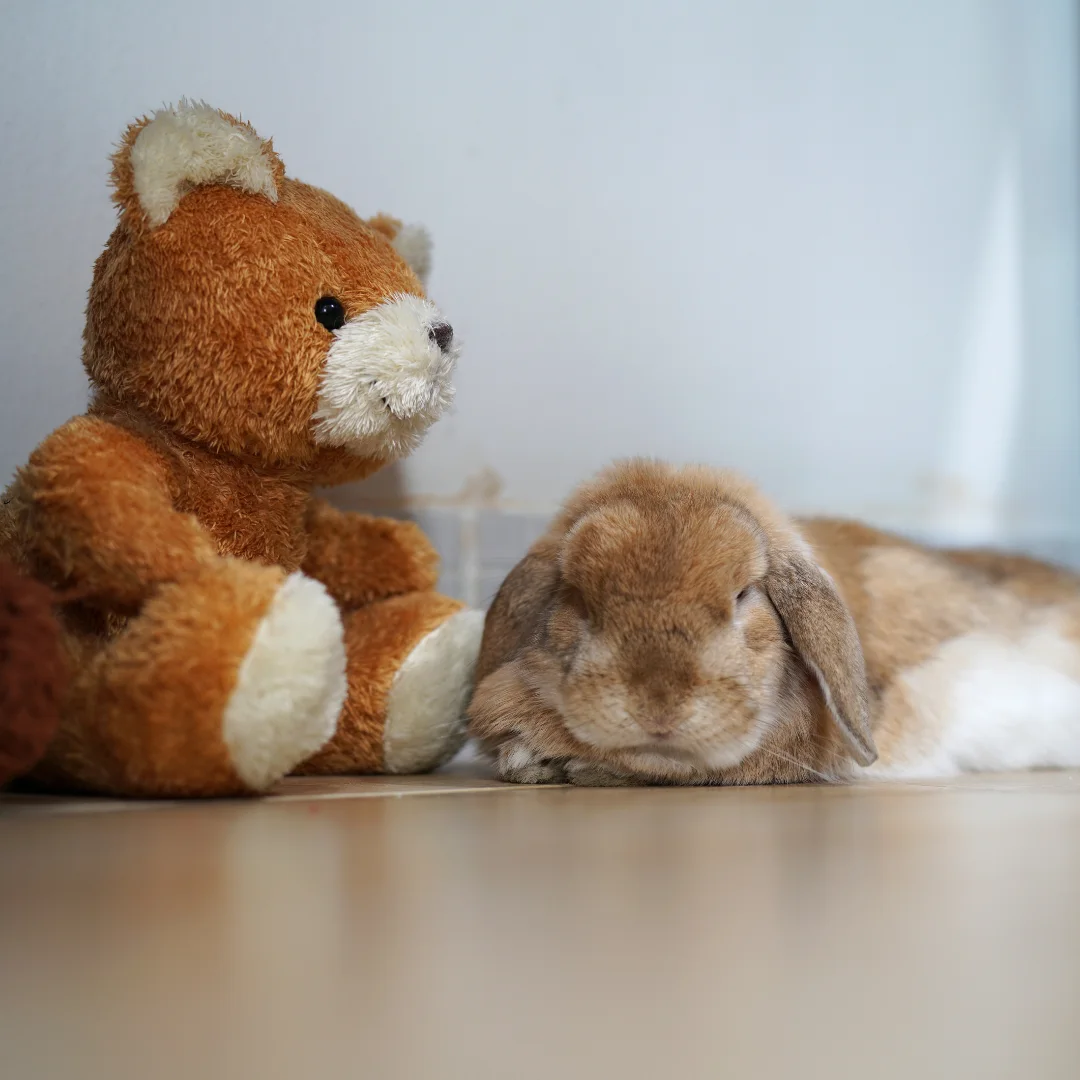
{"x": 33, "y": 672}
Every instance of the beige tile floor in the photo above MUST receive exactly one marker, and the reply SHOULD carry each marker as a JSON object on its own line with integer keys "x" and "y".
{"x": 354, "y": 928}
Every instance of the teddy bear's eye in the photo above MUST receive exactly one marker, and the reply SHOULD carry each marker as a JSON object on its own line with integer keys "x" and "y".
{"x": 329, "y": 312}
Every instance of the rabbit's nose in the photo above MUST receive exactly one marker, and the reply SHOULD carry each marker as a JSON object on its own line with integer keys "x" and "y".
{"x": 442, "y": 334}
{"x": 658, "y": 723}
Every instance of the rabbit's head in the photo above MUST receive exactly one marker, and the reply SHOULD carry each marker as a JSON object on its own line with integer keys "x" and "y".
{"x": 669, "y": 627}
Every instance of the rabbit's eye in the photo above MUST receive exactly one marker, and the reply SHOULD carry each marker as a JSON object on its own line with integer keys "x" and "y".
{"x": 742, "y": 595}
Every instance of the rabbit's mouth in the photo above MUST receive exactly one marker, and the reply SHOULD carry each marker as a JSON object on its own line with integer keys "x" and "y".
{"x": 662, "y": 746}
{"x": 663, "y": 759}
{"x": 680, "y": 752}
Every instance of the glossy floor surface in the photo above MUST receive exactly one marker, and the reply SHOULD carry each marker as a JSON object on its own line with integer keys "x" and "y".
{"x": 452, "y": 927}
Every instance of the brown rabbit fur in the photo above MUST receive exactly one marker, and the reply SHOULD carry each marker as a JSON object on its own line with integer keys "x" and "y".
{"x": 672, "y": 626}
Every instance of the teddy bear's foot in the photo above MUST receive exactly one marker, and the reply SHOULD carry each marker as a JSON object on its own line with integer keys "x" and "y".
{"x": 290, "y": 686}
{"x": 425, "y": 709}
{"x": 410, "y": 662}
{"x": 219, "y": 686}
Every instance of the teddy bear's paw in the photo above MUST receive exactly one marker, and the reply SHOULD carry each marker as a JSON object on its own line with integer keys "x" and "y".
{"x": 425, "y": 710}
{"x": 290, "y": 686}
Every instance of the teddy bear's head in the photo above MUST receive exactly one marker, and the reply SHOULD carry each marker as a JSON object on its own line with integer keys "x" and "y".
{"x": 257, "y": 315}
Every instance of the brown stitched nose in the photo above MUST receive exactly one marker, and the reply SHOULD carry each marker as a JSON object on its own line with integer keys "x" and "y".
{"x": 442, "y": 334}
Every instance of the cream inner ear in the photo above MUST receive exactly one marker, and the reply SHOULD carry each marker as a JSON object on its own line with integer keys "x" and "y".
{"x": 193, "y": 144}
{"x": 413, "y": 244}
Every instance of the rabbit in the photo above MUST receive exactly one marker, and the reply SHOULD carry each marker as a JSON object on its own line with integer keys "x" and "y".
{"x": 673, "y": 627}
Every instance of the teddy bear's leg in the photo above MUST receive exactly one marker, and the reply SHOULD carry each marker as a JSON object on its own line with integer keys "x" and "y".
{"x": 220, "y": 686}
{"x": 411, "y": 661}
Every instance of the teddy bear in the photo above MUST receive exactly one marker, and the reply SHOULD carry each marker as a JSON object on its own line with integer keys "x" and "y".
{"x": 249, "y": 340}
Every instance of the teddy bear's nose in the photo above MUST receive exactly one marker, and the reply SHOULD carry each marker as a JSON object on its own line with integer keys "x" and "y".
{"x": 442, "y": 334}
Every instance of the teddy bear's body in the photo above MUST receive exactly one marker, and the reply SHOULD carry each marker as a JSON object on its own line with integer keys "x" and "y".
{"x": 248, "y": 339}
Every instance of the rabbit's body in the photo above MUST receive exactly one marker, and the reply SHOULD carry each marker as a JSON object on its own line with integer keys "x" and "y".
{"x": 672, "y": 626}
{"x": 972, "y": 657}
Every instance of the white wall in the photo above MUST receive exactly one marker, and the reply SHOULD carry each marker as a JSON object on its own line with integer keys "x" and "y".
{"x": 834, "y": 244}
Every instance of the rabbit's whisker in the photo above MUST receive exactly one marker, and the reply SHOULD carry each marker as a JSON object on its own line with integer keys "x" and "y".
{"x": 801, "y": 764}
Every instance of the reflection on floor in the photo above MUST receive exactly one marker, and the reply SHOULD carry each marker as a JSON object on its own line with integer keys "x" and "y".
{"x": 347, "y": 927}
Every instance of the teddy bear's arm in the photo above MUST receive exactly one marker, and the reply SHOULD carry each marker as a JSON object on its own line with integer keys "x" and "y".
{"x": 98, "y": 516}
{"x": 361, "y": 559}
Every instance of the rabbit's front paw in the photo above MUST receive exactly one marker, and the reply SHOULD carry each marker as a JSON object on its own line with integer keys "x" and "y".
{"x": 590, "y": 774}
{"x": 519, "y": 764}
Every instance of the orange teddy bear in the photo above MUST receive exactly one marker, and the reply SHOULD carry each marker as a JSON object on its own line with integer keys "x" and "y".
{"x": 248, "y": 338}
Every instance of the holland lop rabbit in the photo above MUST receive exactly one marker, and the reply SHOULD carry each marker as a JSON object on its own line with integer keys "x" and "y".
{"x": 672, "y": 626}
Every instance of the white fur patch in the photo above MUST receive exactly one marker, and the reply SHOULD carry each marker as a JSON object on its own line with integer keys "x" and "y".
{"x": 386, "y": 380}
{"x": 290, "y": 687}
{"x": 518, "y": 756}
{"x": 518, "y": 764}
{"x": 425, "y": 710}
{"x": 193, "y": 144}
{"x": 984, "y": 704}
{"x": 413, "y": 244}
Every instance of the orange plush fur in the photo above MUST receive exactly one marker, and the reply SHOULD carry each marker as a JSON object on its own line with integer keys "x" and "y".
{"x": 231, "y": 627}
{"x": 32, "y": 672}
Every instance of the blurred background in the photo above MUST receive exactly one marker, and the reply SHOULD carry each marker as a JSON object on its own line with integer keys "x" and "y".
{"x": 832, "y": 244}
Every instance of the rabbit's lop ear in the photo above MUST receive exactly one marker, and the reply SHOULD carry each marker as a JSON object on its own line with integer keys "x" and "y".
{"x": 824, "y": 635}
{"x": 519, "y": 609}
{"x": 501, "y": 704}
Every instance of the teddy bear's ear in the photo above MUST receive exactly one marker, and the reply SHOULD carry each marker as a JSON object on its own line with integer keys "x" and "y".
{"x": 411, "y": 242}
{"x": 163, "y": 157}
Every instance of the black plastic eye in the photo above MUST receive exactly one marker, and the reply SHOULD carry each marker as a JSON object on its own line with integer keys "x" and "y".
{"x": 329, "y": 312}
